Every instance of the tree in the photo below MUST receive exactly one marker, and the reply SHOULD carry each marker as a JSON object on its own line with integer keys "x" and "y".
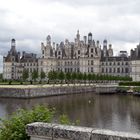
{"x": 25, "y": 74}
{"x": 1, "y": 76}
{"x": 68, "y": 76}
{"x": 61, "y": 76}
{"x": 74, "y": 76}
{"x": 93, "y": 77}
{"x": 42, "y": 75}
{"x": 14, "y": 127}
{"x": 85, "y": 77}
{"x": 35, "y": 75}
{"x": 80, "y": 76}
{"x": 89, "y": 78}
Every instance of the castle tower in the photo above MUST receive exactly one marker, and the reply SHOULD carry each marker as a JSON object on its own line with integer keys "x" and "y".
{"x": 110, "y": 51}
{"x": 48, "y": 39}
{"x": 13, "y": 45}
{"x": 105, "y": 48}
{"x": 85, "y": 39}
{"x": 78, "y": 35}
{"x": 90, "y": 38}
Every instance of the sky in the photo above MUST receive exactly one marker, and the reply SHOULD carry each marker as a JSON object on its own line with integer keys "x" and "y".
{"x": 30, "y": 21}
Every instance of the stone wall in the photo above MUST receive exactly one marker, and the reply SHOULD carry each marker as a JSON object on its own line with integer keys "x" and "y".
{"x": 28, "y": 92}
{"x": 45, "y": 131}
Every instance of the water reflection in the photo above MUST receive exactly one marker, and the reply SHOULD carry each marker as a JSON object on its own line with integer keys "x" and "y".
{"x": 115, "y": 112}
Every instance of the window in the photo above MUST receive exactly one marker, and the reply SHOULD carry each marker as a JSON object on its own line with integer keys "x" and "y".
{"x": 92, "y": 50}
{"x": 118, "y": 70}
{"x": 118, "y": 63}
{"x": 91, "y": 69}
{"x": 59, "y": 53}
{"x": 110, "y": 70}
{"x": 78, "y": 70}
{"x": 126, "y": 63}
{"x": 42, "y": 51}
{"x": 126, "y": 70}
{"x": 102, "y": 70}
{"x": 78, "y": 51}
{"x": 91, "y": 55}
{"x": 114, "y": 70}
{"x": 91, "y": 62}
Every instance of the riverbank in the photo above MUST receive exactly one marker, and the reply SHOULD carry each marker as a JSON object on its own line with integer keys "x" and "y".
{"x": 35, "y": 91}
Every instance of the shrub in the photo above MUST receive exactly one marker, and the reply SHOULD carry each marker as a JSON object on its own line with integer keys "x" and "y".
{"x": 14, "y": 128}
{"x": 129, "y": 83}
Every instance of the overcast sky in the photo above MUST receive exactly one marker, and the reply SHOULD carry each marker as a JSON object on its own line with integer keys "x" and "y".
{"x": 30, "y": 21}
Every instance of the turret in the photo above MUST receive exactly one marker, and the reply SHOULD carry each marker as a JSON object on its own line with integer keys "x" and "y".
{"x": 105, "y": 48}
{"x": 13, "y": 44}
{"x": 110, "y": 51}
{"x": 85, "y": 39}
{"x": 78, "y": 35}
{"x": 90, "y": 38}
{"x": 98, "y": 43}
{"x": 48, "y": 39}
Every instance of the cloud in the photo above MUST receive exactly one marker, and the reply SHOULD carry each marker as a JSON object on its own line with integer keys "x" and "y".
{"x": 29, "y": 22}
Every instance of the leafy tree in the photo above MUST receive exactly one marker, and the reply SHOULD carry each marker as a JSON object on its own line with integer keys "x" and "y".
{"x": 42, "y": 75}
{"x": 85, "y": 77}
{"x": 25, "y": 74}
{"x": 74, "y": 76}
{"x": 61, "y": 76}
{"x": 93, "y": 76}
{"x": 68, "y": 76}
{"x": 35, "y": 75}
{"x": 89, "y": 78}
{"x": 79, "y": 76}
{"x": 1, "y": 76}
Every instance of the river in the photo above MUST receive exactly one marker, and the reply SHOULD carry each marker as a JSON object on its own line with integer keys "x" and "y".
{"x": 114, "y": 112}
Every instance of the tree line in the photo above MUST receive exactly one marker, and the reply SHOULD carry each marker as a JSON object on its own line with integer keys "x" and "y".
{"x": 78, "y": 77}
{"x": 69, "y": 77}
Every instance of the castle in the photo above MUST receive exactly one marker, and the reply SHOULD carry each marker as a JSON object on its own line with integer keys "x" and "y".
{"x": 83, "y": 55}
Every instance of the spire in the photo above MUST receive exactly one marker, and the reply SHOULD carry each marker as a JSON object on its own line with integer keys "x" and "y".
{"x": 13, "y": 45}
{"x": 48, "y": 39}
{"x": 78, "y": 35}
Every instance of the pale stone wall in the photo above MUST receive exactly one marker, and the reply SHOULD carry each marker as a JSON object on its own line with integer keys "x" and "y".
{"x": 46, "y": 131}
{"x": 135, "y": 70}
{"x": 7, "y": 70}
{"x": 34, "y": 92}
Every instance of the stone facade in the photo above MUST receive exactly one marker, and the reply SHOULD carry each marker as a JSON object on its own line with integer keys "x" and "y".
{"x": 14, "y": 63}
{"x": 135, "y": 63}
{"x": 83, "y": 55}
{"x": 79, "y": 56}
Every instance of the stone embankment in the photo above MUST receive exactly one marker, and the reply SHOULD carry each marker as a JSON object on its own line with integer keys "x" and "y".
{"x": 45, "y": 131}
{"x": 35, "y": 91}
